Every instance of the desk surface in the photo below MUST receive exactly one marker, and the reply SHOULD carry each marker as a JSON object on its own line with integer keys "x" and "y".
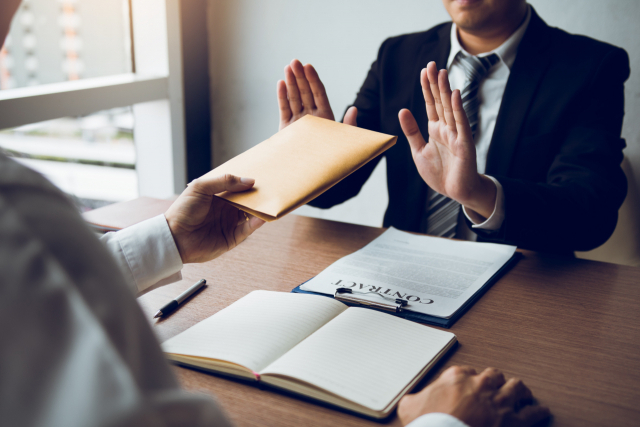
{"x": 569, "y": 328}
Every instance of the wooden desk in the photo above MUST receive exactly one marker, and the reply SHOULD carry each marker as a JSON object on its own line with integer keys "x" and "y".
{"x": 569, "y": 328}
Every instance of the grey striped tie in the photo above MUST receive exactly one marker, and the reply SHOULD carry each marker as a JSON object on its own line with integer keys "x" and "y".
{"x": 442, "y": 212}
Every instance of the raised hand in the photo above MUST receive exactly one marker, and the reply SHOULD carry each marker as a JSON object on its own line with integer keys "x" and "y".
{"x": 204, "y": 226}
{"x": 302, "y": 93}
{"x": 448, "y": 162}
{"x": 479, "y": 400}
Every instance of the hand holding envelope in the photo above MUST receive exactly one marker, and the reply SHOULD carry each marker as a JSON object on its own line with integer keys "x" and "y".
{"x": 299, "y": 163}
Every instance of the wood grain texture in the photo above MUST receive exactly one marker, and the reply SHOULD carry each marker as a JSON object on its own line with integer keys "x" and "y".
{"x": 569, "y": 328}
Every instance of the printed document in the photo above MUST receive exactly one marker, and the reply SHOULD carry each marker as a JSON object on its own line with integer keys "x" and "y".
{"x": 436, "y": 276}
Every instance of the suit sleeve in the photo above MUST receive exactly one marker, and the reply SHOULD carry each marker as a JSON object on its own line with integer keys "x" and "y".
{"x": 576, "y": 209}
{"x": 368, "y": 104}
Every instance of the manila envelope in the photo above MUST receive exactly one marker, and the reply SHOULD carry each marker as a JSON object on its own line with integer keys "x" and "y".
{"x": 299, "y": 163}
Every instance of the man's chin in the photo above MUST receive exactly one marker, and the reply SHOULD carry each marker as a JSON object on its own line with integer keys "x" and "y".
{"x": 467, "y": 3}
{"x": 470, "y": 22}
{"x": 469, "y": 14}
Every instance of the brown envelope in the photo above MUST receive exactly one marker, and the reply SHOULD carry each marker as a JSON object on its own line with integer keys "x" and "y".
{"x": 299, "y": 163}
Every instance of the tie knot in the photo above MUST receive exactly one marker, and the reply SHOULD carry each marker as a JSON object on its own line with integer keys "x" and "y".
{"x": 476, "y": 67}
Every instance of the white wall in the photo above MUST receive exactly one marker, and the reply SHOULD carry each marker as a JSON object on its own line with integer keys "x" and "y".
{"x": 252, "y": 40}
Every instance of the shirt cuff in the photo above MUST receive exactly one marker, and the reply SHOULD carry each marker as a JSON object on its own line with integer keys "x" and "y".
{"x": 436, "y": 419}
{"x": 147, "y": 253}
{"x": 494, "y": 222}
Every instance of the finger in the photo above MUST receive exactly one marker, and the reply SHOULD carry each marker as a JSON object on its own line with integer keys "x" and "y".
{"x": 319, "y": 93}
{"x": 292, "y": 90}
{"x": 351, "y": 116}
{"x": 242, "y": 217}
{"x": 432, "y": 113}
{"x": 303, "y": 85}
{"x": 247, "y": 228}
{"x": 411, "y": 131}
{"x": 445, "y": 96}
{"x": 512, "y": 393}
{"x": 462, "y": 123}
{"x": 467, "y": 370}
{"x": 531, "y": 415}
{"x": 283, "y": 101}
{"x": 215, "y": 184}
{"x": 491, "y": 379}
{"x": 459, "y": 371}
{"x": 432, "y": 74}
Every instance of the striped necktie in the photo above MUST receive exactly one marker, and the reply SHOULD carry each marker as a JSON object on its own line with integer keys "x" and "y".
{"x": 442, "y": 212}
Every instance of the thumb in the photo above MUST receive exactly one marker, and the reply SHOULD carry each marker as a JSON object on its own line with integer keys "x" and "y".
{"x": 215, "y": 184}
{"x": 411, "y": 131}
{"x": 350, "y": 116}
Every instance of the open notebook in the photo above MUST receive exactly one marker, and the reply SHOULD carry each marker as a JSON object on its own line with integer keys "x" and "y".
{"x": 355, "y": 358}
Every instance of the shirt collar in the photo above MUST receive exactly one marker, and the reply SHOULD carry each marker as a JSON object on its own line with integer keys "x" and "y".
{"x": 506, "y": 51}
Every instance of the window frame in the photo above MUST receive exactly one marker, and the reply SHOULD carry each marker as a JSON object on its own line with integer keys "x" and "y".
{"x": 155, "y": 91}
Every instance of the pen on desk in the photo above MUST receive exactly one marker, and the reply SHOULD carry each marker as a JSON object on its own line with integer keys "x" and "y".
{"x": 172, "y": 305}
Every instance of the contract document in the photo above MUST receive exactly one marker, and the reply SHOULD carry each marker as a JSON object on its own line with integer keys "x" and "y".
{"x": 436, "y": 276}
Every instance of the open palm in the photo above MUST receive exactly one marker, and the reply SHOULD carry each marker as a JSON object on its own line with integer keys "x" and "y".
{"x": 447, "y": 163}
{"x": 302, "y": 93}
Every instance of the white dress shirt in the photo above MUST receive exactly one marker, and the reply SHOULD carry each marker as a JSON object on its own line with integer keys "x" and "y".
{"x": 146, "y": 254}
{"x": 437, "y": 419}
{"x": 490, "y": 93}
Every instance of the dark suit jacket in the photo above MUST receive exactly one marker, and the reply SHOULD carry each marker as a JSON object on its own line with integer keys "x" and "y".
{"x": 556, "y": 148}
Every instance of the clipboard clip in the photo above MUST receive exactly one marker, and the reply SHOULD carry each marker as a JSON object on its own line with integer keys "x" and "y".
{"x": 395, "y": 305}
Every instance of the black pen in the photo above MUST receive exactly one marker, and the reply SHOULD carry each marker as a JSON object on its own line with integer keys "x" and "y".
{"x": 172, "y": 305}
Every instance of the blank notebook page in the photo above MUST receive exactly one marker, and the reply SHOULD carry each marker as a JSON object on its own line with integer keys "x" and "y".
{"x": 366, "y": 356}
{"x": 257, "y": 329}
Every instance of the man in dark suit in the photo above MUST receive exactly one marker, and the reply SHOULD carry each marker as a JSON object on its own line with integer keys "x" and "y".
{"x": 544, "y": 112}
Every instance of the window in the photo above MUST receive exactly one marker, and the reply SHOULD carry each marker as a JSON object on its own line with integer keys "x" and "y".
{"x": 91, "y": 158}
{"x": 51, "y": 41}
{"x": 68, "y": 63}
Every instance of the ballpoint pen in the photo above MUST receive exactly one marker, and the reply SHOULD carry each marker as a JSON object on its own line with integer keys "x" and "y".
{"x": 172, "y": 305}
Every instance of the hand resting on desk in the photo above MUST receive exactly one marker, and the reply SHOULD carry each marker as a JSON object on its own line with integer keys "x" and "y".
{"x": 479, "y": 400}
{"x": 204, "y": 226}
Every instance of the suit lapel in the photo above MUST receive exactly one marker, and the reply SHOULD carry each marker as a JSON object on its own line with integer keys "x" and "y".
{"x": 437, "y": 49}
{"x": 526, "y": 73}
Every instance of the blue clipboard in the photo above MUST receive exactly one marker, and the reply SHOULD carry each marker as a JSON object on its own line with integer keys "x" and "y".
{"x": 433, "y": 320}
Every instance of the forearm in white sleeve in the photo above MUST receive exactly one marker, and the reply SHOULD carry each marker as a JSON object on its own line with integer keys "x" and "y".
{"x": 494, "y": 222}
{"x": 146, "y": 254}
{"x": 436, "y": 419}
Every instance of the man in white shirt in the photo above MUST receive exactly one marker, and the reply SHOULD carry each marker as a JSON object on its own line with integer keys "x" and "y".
{"x": 75, "y": 348}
